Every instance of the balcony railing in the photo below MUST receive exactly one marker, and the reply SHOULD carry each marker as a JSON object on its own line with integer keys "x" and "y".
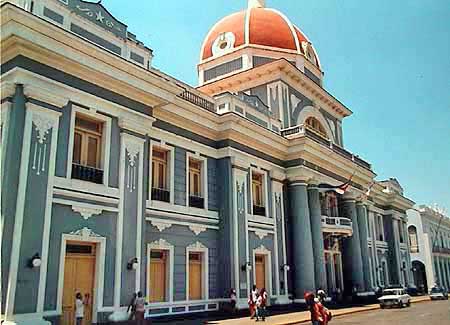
{"x": 337, "y": 225}
{"x": 302, "y": 130}
{"x": 86, "y": 173}
{"x": 196, "y": 201}
{"x": 197, "y": 100}
{"x": 442, "y": 250}
{"x": 259, "y": 210}
{"x": 160, "y": 194}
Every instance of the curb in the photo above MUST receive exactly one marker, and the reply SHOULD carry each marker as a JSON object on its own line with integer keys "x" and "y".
{"x": 349, "y": 312}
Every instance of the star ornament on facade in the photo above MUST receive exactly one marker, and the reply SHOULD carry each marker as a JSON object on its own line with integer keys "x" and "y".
{"x": 99, "y": 16}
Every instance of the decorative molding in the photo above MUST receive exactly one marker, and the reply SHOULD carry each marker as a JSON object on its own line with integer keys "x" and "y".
{"x": 43, "y": 123}
{"x": 85, "y": 233}
{"x": 196, "y": 246}
{"x": 86, "y": 212}
{"x": 161, "y": 225}
{"x": 197, "y": 229}
{"x": 133, "y": 148}
{"x": 261, "y": 249}
{"x": 261, "y": 233}
{"x": 160, "y": 243}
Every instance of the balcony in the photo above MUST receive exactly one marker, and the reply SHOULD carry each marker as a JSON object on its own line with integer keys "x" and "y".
{"x": 441, "y": 250}
{"x": 86, "y": 173}
{"x": 197, "y": 100}
{"x": 259, "y": 210}
{"x": 159, "y": 194}
{"x": 196, "y": 202}
{"x": 337, "y": 225}
{"x": 302, "y": 130}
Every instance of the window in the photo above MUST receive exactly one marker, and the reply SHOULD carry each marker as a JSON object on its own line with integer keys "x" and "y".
{"x": 87, "y": 149}
{"x": 329, "y": 205}
{"x": 314, "y": 124}
{"x": 380, "y": 228}
{"x": 196, "y": 182}
{"x": 400, "y": 231}
{"x": 258, "y": 194}
{"x": 160, "y": 173}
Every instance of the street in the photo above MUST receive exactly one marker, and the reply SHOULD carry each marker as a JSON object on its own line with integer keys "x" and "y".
{"x": 425, "y": 313}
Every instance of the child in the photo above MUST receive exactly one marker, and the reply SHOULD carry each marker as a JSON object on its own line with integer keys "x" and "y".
{"x": 79, "y": 307}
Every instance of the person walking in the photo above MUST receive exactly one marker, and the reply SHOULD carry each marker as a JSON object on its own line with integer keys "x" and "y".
{"x": 79, "y": 307}
{"x": 140, "y": 308}
{"x": 319, "y": 314}
{"x": 251, "y": 305}
{"x": 233, "y": 300}
{"x": 261, "y": 302}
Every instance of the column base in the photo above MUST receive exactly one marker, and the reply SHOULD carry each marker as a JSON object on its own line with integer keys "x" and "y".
{"x": 282, "y": 300}
{"x": 27, "y": 320}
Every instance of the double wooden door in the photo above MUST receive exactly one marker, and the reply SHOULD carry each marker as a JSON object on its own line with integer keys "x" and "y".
{"x": 260, "y": 271}
{"x": 79, "y": 275}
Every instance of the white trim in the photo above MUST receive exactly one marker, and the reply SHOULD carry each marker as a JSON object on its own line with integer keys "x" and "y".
{"x": 84, "y": 235}
{"x": 106, "y": 140}
{"x": 76, "y": 206}
{"x": 204, "y": 178}
{"x": 176, "y": 222}
{"x": 171, "y": 165}
{"x": 161, "y": 244}
{"x": 48, "y": 213}
{"x": 84, "y": 196}
{"x": 160, "y": 213}
{"x": 18, "y": 218}
{"x": 198, "y": 247}
{"x": 261, "y": 250}
{"x": 311, "y": 111}
{"x": 139, "y": 216}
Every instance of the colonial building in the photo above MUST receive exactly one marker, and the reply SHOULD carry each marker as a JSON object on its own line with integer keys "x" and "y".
{"x": 429, "y": 237}
{"x": 117, "y": 177}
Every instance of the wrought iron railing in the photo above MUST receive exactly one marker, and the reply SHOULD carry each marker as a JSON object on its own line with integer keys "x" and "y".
{"x": 197, "y": 100}
{"x": 160, "y": 194}
{"x": 196, "y": 201}
{"x": 86, "y": 173}
{"x": 259, "y": 210}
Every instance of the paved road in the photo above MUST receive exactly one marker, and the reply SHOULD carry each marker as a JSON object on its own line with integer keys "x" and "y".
{"x": 425, "y": 313}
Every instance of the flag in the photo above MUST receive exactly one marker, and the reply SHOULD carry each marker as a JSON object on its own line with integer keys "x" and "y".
{"x": 340, "y": 189}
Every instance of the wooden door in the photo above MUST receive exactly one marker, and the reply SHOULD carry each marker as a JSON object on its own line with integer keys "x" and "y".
{"x": 195, "y": 276}
{"x": 79, "y": 274}
{"x": 157, "y": 280}
{"x": 260, "y": 271}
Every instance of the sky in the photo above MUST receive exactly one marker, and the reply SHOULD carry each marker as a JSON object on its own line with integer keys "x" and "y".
{"x": 388, "y": 61}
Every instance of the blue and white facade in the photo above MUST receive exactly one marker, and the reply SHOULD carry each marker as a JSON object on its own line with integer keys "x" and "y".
{"x": 217, "y": 187}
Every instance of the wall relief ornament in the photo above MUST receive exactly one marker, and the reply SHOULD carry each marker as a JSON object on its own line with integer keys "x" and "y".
{"x": 161, "y": 225}
{"x": 85, "y": 233}
{"x": 85, "y": 212}
{"x": 42, "y": 124}
{"x": 133, "y": 150}
{"x": 197, "y": 246}
{"x": 197, "y": 229}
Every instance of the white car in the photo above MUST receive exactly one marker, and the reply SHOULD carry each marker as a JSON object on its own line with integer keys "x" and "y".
{"x": 437, "y": 293}
{"x": 394, "y": 297}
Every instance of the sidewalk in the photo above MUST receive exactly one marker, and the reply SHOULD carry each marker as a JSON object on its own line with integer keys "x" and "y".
{"x": 302, "y": 317}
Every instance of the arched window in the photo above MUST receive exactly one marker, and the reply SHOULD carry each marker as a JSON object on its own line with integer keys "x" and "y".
{"x": 413, "y": 242}
{"x": 314, "y": 124}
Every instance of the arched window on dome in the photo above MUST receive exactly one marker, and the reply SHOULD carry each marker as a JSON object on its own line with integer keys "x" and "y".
{"x": 314, "y": 124}
{"x": 413, "y": 242}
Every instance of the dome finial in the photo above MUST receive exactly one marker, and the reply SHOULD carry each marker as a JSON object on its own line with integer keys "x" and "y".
{"x": 256, "y": 3}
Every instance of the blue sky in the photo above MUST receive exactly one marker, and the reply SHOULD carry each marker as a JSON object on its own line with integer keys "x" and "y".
{"x": 388, "y": 61}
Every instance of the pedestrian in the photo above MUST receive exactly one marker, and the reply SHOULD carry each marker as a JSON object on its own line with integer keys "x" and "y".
{"x": 261, "y": 302}
{"x": 319, "y": 314}
{"x": 79, "y": 307}
{"x": 140, "y": 308}
{"x": 233, "y": 300}
{"x": 321, "y": 295}
{"x": 251, "y": 305}
{"x": 131, "y": 310}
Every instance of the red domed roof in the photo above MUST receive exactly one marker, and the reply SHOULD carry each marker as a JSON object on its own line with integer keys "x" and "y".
{"x": 257, "y": 26}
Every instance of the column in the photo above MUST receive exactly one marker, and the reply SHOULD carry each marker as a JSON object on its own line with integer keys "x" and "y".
{"x": 444, "y": 273}
{"x": 315, "y": 218}
{"x": 438, "y": 270}
{"x": 363, "y": 235}
{"x": 303, "y": 268}
{"x": 447, "y": 262}
{"x": 352, "y": 246}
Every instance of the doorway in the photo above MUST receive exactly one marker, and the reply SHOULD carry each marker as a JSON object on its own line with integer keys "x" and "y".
{"x": 260, "y": 271}
{"x": 79, "y": 277}
{"x": 334, "y": 272}
{"x": 158, "y": 275}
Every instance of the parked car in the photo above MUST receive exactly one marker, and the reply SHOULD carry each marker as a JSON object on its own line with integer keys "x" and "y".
{"x": 394, "y": 297}
{"x": 438, "y": 293}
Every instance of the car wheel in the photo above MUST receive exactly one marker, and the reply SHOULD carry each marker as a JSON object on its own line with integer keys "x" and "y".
{"x": 409, "y": 303}
{"x": 382, "y": 306}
